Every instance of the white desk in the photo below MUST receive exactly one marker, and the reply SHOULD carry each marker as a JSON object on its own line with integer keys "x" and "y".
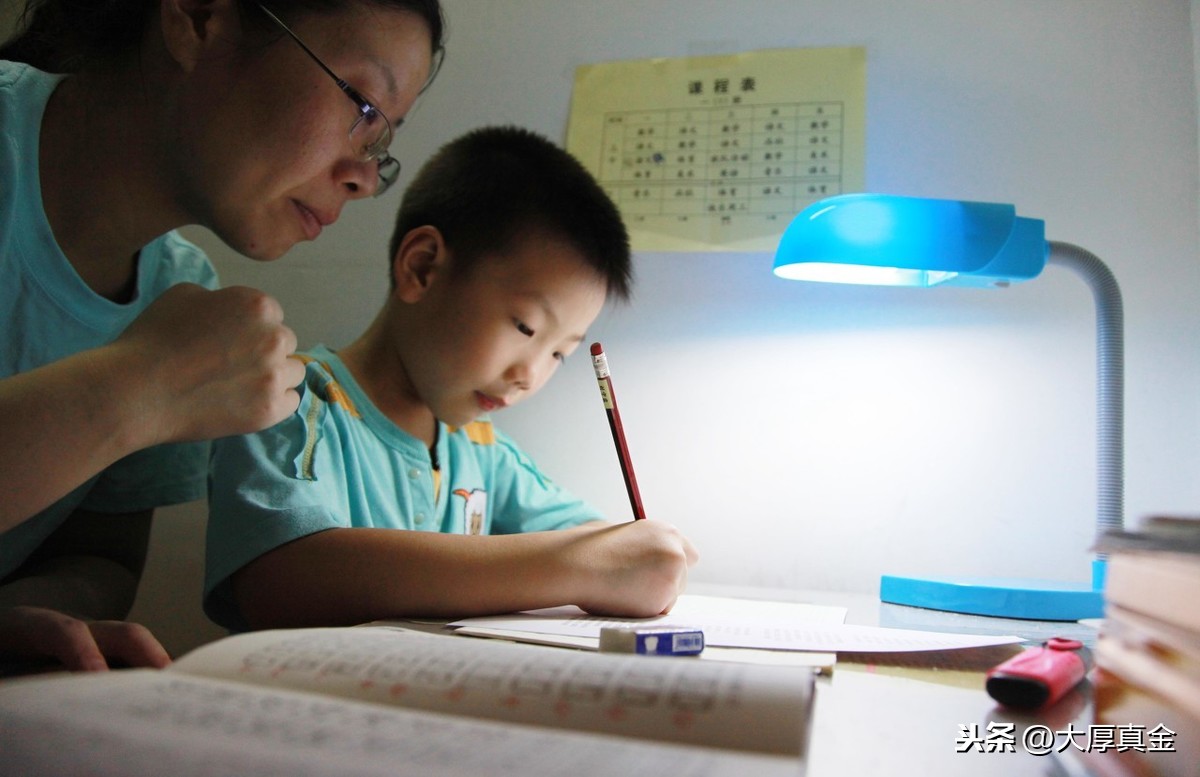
{"x": 906, "y": 722}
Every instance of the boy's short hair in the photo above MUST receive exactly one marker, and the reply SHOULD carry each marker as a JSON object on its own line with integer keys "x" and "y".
{"x": 488, "y": 188}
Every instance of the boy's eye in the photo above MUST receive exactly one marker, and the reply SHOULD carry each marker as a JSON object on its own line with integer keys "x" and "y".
{"x": 522, "y": 328}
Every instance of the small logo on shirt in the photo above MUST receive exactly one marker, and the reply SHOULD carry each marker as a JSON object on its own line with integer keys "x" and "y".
{"x": 474, "y": 509}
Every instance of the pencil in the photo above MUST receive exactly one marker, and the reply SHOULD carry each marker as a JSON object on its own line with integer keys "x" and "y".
{"x": 604, "y": 378}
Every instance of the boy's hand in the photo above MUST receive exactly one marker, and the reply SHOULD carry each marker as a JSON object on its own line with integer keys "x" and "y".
{"x": 80, "y": 646}
{"x": 633, "y": 570}
{"x": 209, "y": 364}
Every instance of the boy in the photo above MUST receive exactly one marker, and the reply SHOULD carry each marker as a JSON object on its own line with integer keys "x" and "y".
{"x": 389, "y": 493}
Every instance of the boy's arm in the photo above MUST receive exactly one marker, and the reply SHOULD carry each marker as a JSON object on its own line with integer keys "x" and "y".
{"x": 355, "y": 575}
{"x": 65, "y": 601}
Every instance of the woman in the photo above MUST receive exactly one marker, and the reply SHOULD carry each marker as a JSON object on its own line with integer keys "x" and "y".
{"x": 257, "y": 121}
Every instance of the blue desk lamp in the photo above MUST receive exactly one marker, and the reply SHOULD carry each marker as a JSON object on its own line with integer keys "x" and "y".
{"x": 906, "y": 241}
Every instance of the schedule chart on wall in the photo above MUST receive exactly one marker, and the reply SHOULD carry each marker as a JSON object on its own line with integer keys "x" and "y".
{"x": 719, "y": 153}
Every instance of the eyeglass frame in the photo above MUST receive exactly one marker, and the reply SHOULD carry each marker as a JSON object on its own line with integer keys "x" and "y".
{"x": 388, "y": 166}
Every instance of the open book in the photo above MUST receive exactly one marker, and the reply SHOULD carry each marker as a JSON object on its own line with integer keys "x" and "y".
{"x": 376, "y": 701}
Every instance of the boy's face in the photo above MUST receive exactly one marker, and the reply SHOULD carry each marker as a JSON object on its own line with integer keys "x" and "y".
{"x": 493, "y": 336}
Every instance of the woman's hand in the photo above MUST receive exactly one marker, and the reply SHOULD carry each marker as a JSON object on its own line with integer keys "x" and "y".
{"x": 80, "y": 646}
{"x": 211, "y": 363}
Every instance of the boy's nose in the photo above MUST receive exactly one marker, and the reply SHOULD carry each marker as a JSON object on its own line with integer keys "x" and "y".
{"x": 520, "y": 375}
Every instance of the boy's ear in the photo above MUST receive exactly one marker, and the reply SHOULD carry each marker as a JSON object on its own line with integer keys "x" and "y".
{"x": 421, "y": 258}
{"x": 190, "y": 28}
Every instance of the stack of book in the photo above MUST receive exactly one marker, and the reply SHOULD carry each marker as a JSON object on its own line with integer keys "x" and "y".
{"x": 1147, "y": 684}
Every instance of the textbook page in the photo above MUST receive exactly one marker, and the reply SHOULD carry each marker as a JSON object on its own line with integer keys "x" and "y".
{"x": 714, "y": 704}
{"x": 147, "y": 723}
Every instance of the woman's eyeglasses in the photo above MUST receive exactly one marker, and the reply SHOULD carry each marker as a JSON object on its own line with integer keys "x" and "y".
{"x": 371, "y": 132}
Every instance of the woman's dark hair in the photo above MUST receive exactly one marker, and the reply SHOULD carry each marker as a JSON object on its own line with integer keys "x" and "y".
{"x": 64, "y": 36}
{"x": 489, "y": 188}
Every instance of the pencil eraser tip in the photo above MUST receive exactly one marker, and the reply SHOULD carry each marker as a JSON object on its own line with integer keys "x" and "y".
{"x": 596, "y": 349}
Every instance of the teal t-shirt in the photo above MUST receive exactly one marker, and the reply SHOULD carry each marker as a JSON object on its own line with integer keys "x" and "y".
{"x": 339, "y": 462}
{"x": 47, "y": 313}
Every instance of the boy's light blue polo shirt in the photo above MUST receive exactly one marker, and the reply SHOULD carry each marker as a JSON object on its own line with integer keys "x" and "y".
{"x": 338, "y": 462}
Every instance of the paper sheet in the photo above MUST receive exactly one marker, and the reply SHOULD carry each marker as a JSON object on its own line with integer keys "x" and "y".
{"x": 820, "y": 661}
{"x": 718, "y": 153}
{"x": 740, "y": 623}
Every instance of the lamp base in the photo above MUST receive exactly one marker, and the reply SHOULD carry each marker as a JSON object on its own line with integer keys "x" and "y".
{"x": 1046, "y": 600}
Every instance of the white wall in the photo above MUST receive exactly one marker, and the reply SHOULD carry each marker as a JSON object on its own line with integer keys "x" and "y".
{"x": 1196, "y": 42}
{"x": 818, "y": 436}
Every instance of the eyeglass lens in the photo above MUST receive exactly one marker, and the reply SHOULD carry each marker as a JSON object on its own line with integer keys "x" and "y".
{"x": 389, "y": 171}
{"x": 371, "y": 133}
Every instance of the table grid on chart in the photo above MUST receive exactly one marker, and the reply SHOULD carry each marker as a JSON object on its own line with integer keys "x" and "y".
{"x": 770, "y": 159}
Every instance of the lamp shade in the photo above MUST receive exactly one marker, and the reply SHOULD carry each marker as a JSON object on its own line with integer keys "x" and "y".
{"x": 907, "y": 241}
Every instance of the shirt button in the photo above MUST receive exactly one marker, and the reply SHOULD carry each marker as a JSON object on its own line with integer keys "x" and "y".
{"x": 414, "y": 473}
{"x": 419, "y": 518}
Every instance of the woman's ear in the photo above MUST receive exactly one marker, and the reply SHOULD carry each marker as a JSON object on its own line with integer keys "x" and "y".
{"x": 192, "y": 28}
{"x": 420, "y": 260}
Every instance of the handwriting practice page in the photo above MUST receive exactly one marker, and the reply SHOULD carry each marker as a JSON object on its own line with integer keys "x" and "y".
{"x": 715, "y": 704}
{"x": 144, "y": 723}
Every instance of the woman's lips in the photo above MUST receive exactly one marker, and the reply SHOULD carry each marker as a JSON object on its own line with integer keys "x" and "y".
{"x": 313, "y": 222}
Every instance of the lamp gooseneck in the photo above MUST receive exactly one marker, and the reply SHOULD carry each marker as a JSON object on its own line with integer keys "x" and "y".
{"x": 1110, "y": 379}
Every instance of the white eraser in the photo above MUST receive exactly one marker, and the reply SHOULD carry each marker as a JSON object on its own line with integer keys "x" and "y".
{"x": 652, "y": 641}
